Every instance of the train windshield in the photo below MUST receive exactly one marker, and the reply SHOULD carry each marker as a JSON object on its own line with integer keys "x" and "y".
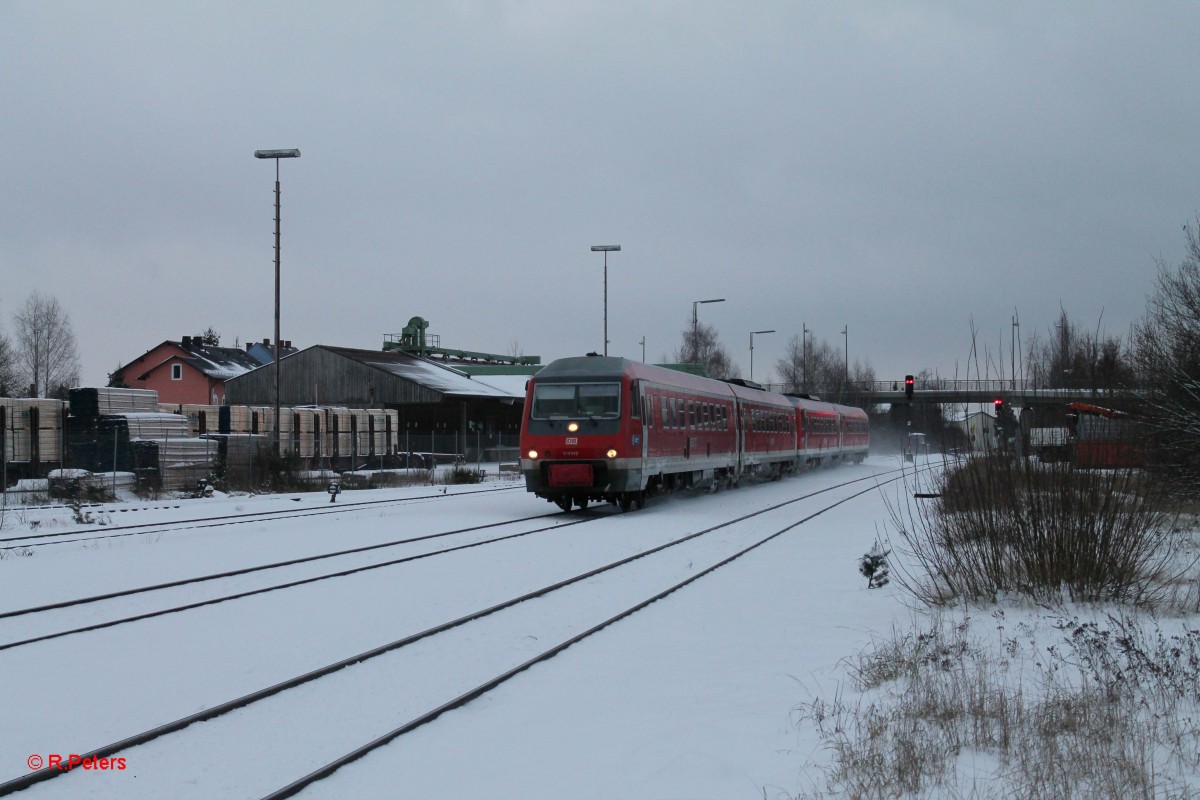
{"x": 553, "y": 400}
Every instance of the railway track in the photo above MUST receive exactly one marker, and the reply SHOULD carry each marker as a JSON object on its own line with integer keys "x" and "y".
{"x": 561, "y": 521}
{"x": 33, "y": 540}
{"x": 371, "y": 659}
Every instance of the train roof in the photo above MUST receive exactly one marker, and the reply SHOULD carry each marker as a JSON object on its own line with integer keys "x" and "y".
{"x": 614, "y": 367}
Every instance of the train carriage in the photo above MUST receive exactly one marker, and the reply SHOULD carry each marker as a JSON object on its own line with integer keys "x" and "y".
{"x": 767, "y": 430}
{"x": 820, "y": 431}
{"x": 855, "y": 431}
{"x": 688, "y": 428}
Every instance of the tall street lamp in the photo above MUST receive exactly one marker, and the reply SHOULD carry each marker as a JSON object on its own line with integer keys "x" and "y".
{"x": 804, "y": 354}
{"x": 696, "y": 326}
{"x": 606, "y": 249}
{"x": 276, "y": 154}
{"x": 846, "y": 360}
{"x": 752, "y": 333}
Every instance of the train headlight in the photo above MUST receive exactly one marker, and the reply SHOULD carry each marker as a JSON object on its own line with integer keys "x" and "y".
{"x": 532, "y": 454}
{"x": 611, "y": 454}
{"x": 572, "y": 426}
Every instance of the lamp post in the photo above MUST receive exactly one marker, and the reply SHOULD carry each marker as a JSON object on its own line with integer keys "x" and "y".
{"x": 276, "y": 154}
{"x": 846, "y": 359}
{"x": 606, "y": 249}
{"x": 804, "y": 354}
{"x": 696, "y": 325}
{"x": 752, "y": 333}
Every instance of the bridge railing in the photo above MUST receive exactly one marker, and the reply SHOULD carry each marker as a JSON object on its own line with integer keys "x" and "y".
{"x": 951, "y": 386}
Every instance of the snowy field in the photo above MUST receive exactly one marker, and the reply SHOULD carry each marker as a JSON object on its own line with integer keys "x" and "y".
{"x": 695, "y": 696}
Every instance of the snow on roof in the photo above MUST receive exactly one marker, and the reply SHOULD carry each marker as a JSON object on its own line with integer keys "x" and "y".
{"x": 221, "y": 363}
{"x": 512, "y": 385}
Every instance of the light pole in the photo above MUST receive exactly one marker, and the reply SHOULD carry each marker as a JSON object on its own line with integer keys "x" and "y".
{"x": 752, "y": 333}
{"x": 606, "y": 249}
{"x": 696, "y": 326}
{"x": 276, "y": 154}
{"x": 804, "y": 354}
{"x": 846, "y": 360}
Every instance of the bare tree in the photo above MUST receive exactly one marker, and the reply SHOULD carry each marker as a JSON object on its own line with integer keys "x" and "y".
{"x": 821, "y": 369}
{"x": 1166, "y": 343}
{"x": 702, "y": 346}
{"x": 48, "y": 359}
{"x": 9, "y": 375}
{"x": 1073, "y": 359}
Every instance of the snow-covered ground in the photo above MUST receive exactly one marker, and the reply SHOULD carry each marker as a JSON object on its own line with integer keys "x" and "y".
{"x": 695, "y": 696}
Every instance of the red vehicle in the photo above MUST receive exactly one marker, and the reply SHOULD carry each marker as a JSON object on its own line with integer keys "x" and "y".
{"x": 1104, "y": 438}
{"x": 601, "y": 428}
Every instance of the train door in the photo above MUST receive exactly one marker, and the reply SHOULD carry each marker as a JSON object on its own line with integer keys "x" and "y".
{"x": 741, "y": 418}
{"x": 645, "y": 404}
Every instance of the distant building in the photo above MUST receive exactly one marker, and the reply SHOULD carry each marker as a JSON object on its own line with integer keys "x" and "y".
{"x": 429, "y": 394}
{"x": 190, "y": 371}
{"x": 979, "y": 428}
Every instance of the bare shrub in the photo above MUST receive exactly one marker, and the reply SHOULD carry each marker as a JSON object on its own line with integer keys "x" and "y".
{"x": 1046, "y": 531}
{"x": 461, "y": 474}
{"x": 1109, "y": 712}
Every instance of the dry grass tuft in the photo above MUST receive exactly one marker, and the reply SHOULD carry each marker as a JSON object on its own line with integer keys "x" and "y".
{"x": 1110, "y": 711}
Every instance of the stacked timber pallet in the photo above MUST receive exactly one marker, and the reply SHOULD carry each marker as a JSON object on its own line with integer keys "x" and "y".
{"x": 123, "y": 429}
{"x": 109, "y": 400}
{"x": 32, "y": 430}
{"x": 156, "y": 425}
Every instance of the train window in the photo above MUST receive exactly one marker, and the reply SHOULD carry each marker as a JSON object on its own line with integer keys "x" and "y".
{"x": 576, "y": 400}
{"x": 704, "y": 416}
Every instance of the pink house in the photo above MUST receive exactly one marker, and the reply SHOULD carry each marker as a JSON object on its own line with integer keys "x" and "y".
{"x": 188, "y": 371}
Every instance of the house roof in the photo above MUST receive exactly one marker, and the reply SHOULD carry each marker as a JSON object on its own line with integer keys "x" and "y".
{"x": 264, "y": 353}
{"x": 217, "y": 363}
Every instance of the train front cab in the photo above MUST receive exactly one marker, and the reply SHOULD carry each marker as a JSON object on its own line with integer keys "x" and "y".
{"x": 581, "y": 436}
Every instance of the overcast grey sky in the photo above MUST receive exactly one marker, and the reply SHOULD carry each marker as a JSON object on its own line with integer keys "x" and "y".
{"x": 900, "y": 168}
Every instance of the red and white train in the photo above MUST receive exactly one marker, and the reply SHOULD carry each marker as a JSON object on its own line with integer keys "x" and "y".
{"x": 603, "y": 428}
